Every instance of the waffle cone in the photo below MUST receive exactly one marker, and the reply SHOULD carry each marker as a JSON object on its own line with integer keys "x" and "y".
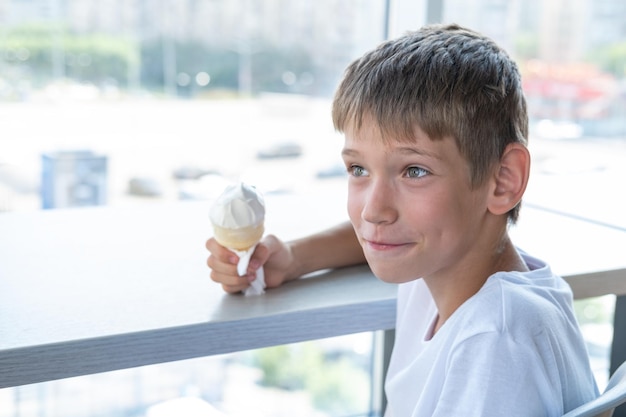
{"x": 240, "y": 239}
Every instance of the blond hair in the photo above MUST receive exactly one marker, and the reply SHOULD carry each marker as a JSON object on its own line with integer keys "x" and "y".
{"x": 447, "y": 80}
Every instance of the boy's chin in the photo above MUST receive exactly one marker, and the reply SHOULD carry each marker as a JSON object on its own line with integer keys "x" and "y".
{"x": 392, "y": 275}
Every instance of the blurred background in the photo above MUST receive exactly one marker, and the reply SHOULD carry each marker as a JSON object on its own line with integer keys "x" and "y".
{"x": 129, "y": 102}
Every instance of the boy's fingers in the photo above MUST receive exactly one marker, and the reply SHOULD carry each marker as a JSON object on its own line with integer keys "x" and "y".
{"x": 259, "y": 257}
{"x": 223, "y": 265}
{"x": 233, "y": 289}
{"x": 230, "y": 283}
{"x": 220, "y": 252}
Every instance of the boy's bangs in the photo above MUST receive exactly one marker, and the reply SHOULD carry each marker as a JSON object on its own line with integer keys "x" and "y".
{"x": 395, "y": 123}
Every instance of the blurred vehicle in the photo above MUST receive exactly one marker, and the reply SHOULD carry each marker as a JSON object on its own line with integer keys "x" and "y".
{"x": 144, "y": 187}
{"x": 188, "y": 172}
{"x": 287, "y": 149}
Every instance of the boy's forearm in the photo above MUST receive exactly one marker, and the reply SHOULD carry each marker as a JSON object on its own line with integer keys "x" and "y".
{"x": 333, "y": 248}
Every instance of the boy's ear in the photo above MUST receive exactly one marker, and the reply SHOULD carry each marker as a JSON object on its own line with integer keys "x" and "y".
{"x": 510, "y": 179}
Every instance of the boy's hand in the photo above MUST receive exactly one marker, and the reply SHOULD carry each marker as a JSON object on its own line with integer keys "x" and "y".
{"x": 273, "y": 254}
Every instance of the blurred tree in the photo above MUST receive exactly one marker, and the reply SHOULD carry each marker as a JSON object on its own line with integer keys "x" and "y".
{"x": 595, "y": 309}
{"x": 526, "y": 46}
{"x": 94, "y": 58}
{"x": 191, "y": 58}
{"x": 336, "y": 384}
{"x": 611, "y": 58}
{"x": 43, "y": 52}
{"x": 268, "y": 64}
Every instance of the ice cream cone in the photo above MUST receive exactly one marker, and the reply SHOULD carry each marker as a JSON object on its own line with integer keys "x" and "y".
{"x": 241, "y": 239}
{"x": 238, "y": 217}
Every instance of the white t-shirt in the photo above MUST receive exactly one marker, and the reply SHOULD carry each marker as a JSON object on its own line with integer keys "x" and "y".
{"x": 513, "y": 349}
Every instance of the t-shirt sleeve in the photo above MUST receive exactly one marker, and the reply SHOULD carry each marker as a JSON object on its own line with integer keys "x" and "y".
{"x": 490, "y": 374}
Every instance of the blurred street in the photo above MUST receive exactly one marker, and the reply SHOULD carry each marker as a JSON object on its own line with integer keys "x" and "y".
{"x": 150, "y": 140}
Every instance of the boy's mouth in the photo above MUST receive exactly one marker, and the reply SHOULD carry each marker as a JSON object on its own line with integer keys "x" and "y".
{"x": 378, "y": 245}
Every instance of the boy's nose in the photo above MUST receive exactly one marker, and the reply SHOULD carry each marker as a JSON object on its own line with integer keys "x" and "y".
{"x": 378, "y": 207}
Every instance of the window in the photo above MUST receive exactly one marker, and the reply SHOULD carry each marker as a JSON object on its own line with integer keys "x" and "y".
{"x": 141, "y": 102}
{"x": 144, "y": 101}
{"x": 329, "y": 377}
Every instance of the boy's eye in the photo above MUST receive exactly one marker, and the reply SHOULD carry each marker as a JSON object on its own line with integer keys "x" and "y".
{"x": 416, "y": 172}
{"x": 356, "y": 171}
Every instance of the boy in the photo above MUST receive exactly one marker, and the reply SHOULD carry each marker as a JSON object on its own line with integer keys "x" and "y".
{"x": 436, "y": 129}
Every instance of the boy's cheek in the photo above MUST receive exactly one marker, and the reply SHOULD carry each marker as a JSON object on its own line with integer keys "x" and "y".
{"x": 354, "y": 209}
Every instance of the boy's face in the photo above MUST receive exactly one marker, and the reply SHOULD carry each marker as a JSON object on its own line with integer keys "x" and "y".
{"x": 411, "y": 204}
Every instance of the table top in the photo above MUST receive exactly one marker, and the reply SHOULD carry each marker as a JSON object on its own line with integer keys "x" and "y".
{"x": 91, "y": 290}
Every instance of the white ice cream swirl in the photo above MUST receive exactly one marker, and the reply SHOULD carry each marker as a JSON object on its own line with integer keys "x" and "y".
{"x": 240, "y": 205}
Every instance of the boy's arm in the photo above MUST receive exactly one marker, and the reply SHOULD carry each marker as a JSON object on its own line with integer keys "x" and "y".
{"x": 332, "y": 248}
{"x": 284, "y": 261}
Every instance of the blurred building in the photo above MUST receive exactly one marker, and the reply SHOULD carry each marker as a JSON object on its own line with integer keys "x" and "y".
{"x": 565, "y": 29}
{"x": 497, "y": 19}
{"x": 332, "y": 32}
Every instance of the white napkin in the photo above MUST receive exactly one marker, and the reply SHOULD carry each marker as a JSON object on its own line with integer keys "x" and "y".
{"x": 258, "y": 285}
